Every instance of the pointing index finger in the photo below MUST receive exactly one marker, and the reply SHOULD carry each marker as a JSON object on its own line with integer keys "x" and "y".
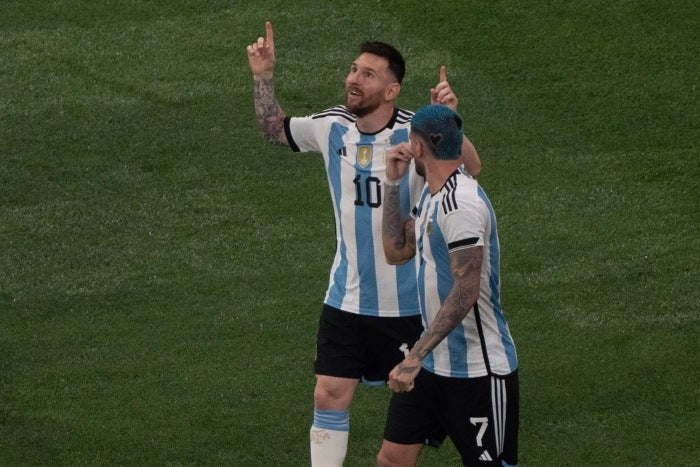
{"x": 270, "y": 36}
{"x": 443, "y": 74}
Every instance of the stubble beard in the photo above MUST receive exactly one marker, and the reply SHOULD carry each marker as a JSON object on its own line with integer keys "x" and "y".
{"x": 362, "y": 108}
{"x": 419, "y": 168}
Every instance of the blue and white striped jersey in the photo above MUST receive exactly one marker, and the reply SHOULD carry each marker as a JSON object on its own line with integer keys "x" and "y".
{"x": 361, "y": 281}
{"x": 461, "y": 216}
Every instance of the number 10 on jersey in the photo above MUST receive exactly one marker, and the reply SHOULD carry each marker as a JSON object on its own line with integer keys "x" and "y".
{"x": 368, "y": 191}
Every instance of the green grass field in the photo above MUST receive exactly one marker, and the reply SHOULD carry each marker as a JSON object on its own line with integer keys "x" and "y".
{"x": 162, "y": 268}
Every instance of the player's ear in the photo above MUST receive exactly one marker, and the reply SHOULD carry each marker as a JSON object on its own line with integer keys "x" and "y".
{"x": 392, "y": 91}
{"x": 419, "y": 147}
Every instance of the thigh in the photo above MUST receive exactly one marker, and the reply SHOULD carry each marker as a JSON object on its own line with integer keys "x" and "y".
{"x": 481, "y": 417}
{"x": 412, "y": 416}
{"x": 387, "y": 341}
{"x": 340, "y": 349}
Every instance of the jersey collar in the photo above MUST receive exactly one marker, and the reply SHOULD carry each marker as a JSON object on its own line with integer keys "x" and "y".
{"x": 389, "y": 125}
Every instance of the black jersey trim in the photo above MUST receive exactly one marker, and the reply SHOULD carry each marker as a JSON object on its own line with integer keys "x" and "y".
{"x": 449, "y": 201}
{"x": 462, "y": 243}
{"x": 337, "y": 111}
{"x": 403, "y": 116}
{"x": 482, "y": 339}
{"x": 399, "y": 116}
{"x": 288, "y": 134}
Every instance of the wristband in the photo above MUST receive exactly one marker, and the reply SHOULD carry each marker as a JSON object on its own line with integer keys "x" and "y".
{"x": 388, "y": 182}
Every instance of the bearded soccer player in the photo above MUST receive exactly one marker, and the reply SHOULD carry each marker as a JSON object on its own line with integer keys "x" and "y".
{"x": 370, "y": 312}
{"x": 461, "y": 376}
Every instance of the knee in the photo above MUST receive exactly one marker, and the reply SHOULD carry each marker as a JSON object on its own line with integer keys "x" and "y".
{"x": 325, "y": 396}
{"x": 386, "y": 460}
{"x": 333, "y": 393}
{"x": 383, "y": 460}
{"x": 395, "y": 455}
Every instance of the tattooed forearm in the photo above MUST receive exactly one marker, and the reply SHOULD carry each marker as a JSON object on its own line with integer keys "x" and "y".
{"x": 268, "y": 112}
{"x": 404, "y": 368}
{"x": 393, "y": 225}
{"x": 466, "y": 272}
{"x": 397, "y": 233}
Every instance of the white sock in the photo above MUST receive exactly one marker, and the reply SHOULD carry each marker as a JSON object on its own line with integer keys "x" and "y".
{"x": 329, "y": 437}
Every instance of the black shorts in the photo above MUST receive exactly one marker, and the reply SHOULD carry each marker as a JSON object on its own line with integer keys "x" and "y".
{"x": 480, "y": 415}
{"x": 363, "y": 347}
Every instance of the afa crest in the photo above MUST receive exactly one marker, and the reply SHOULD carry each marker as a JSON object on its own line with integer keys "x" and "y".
{"x": 429, "y": 228}
{"x": 364, "y": 155}
{"x": 319, "y": 436}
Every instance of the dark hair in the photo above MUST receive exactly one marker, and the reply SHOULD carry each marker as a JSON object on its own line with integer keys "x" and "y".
{"x": 396, "y": 63}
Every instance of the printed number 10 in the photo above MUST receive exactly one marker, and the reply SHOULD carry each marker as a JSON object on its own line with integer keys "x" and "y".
{"x": 372, "y": 194}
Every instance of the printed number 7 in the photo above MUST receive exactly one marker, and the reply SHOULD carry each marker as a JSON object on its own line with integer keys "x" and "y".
{"x": 484, "y": 423}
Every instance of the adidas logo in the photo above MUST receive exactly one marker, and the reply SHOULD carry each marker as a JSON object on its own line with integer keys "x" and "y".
{"x": 485, "y": 456}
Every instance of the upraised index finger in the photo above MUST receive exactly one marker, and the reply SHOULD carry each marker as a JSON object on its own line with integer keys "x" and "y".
{"x": 443, "y": 74}
{"x": 270, "y": 36}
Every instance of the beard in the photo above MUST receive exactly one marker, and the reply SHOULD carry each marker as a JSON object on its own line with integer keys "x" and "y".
{"x": 361, "y": 107}
{"x": 362, "y": 110}
{"x": 419, "y": 168}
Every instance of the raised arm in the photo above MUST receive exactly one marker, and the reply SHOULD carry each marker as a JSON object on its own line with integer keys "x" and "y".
{"x": 442, "y": 94}
{"x": 466, "y": 273}
{"x": 269, "y": 114}
{"x": 398, "y": 236}
{"x": 470, "y": 158}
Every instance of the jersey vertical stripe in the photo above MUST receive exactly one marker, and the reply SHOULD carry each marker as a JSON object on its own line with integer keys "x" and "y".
{"x": 364, "y": 225}
{"x": 495, "y": 282}
{"x": 360, "y": 280}
{"x": 339, "y": 270}
{"x": 460, "y": 216}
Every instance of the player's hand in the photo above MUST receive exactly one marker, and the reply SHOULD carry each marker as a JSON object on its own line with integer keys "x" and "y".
{"x": 261, "y": 54}
{"x": 397, "y": 161}
{"x": 442, "y": 93}
{"x": 402, "y": 377}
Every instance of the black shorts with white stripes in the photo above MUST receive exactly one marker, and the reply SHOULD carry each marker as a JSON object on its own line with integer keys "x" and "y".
{"x": 480, "y": 415}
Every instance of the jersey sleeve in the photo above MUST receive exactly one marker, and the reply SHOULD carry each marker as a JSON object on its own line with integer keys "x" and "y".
{"x": 310, "y": 134}
{"x": 465, "y": 226}
{"x": 301, "y": 134}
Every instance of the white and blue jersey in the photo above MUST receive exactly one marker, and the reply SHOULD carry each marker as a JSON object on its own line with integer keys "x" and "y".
{"x": 461, "y": 216}
{"x": 361, "y": 281}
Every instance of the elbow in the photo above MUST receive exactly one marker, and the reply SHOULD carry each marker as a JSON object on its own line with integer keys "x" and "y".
{"x": 474, "y": 168}
{"x": 275, "y": 138}
{"x": 470, "y": 158}
{"x": 394, "y": 259}
{"x": 472, "y": 163}
{"x": 392, "y": 254}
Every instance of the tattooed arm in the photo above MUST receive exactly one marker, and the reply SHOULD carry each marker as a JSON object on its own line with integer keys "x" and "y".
{"x": 268, "y": 112}
{"x": 466, "y": 273}
{"x": 398, "y": 235}
{"x": 270, "y": 116}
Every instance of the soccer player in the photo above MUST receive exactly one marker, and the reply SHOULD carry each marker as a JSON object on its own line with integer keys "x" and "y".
{"x": 461, "y": 375}
{"x": 370, "y": 313}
